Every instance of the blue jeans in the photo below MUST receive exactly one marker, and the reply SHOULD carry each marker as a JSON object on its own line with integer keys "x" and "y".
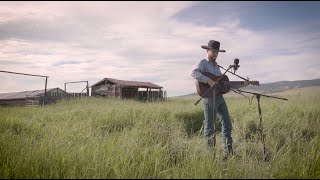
{"x": 208, "y": 123}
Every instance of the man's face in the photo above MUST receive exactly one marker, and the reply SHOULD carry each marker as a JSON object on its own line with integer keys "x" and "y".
{"x": 212, "y": 54}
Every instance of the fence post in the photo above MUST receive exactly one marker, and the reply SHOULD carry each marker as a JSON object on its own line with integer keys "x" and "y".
{"x": 45, "y": 92}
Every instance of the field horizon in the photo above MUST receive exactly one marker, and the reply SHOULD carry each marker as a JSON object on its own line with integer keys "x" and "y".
{"x": 111, "y": 138}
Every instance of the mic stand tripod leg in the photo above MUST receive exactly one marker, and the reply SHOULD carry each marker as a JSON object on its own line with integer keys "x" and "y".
{"x": 214, "y": 115}
{"x": 260, "y": 128}
{"x": 212, "y": 137}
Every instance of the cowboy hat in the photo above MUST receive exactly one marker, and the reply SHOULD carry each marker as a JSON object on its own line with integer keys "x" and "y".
{"x": 213, "y": 45}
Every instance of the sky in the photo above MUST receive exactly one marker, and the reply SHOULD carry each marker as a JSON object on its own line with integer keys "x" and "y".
{"x": 156, "y": 42}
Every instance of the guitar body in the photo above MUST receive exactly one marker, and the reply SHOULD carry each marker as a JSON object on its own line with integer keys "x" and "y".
{"x": 222, "y": 86}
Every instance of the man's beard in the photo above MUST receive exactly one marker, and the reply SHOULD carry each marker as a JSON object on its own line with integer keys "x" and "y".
{"x": 213, "y": 59}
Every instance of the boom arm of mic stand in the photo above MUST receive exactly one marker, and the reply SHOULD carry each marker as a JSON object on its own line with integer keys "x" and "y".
{"x": 211, "y": 87}
{"x": 233, "y": 73}
{"x": 258, "y": 94}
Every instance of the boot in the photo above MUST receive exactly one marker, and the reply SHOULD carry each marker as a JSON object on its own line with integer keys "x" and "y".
{"x": 226, "y": 152}
{"x": 211, "y": 142}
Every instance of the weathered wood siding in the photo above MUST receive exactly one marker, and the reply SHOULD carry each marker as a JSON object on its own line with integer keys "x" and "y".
{"x": 109, "y": 89}
{"x": 106, "y": 89}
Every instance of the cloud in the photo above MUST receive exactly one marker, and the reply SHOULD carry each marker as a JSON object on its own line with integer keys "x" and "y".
{"x": 142, "y": 41}
{"x": 66, "y": 62}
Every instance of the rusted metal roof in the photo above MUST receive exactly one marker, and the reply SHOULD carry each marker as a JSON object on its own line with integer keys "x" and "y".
{"x": 136, "y": 84}
{"x": 24, "y": 94}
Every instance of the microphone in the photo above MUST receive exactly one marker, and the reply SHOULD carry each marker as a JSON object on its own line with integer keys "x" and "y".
{"x": 235, "y": 65}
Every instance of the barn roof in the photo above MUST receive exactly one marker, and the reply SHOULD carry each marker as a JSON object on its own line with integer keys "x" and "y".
{"x": 136, "y": 84}
{"x": 24, "y": 94}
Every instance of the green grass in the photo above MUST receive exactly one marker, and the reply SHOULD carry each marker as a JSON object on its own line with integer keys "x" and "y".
{"x": 109, "y": 138}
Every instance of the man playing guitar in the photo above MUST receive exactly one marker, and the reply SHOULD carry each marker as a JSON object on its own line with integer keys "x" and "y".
{"x": 200, "y": 72}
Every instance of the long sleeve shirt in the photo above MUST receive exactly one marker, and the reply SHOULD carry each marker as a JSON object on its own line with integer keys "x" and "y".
{"x": 204, "y": 65}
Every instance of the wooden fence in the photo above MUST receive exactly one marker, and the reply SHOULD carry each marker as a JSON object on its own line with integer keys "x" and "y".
{"x": 152, "y": 95}
{"x": 52, "y": 98}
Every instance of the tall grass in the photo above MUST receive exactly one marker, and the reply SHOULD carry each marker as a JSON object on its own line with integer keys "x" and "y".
{"x": 109, "y": 138}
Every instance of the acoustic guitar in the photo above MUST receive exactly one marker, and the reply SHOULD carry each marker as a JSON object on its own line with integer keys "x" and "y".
{"x": 222, "y": 87}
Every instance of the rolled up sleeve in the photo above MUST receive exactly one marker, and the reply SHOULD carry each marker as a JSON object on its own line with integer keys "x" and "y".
{"x": 197, "y": 69}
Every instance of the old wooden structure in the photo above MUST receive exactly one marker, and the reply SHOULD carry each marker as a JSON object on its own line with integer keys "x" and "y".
{"x": 114, "y": 88}
{"x": 36, "y": 97}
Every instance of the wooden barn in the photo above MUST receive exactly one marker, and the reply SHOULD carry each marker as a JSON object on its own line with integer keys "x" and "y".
{"x": 114, "y": 88}
{"x": 30, "y": 98}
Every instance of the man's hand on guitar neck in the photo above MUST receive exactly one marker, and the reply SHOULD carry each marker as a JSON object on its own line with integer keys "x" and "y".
{"x": 210, "y": 82}
{"x": 247, "y": 82}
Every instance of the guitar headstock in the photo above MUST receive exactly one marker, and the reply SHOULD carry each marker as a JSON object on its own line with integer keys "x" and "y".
{"x": 254, "y": 83}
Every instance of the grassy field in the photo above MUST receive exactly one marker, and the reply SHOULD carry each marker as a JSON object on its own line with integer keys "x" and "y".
{"x": 108, "y": 138}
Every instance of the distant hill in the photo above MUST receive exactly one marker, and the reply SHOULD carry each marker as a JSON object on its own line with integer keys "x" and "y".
{"x": 279, "y": 86}
{"x": 282, "y": 86}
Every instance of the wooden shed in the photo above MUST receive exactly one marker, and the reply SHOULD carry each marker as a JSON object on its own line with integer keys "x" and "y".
{"x": 114, "y": 88}
{"x": 33, "y": 97}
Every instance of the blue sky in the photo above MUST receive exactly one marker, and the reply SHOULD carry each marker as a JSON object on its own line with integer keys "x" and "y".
{"x": 264, "y": 15}
{"x": 155, "y": 42}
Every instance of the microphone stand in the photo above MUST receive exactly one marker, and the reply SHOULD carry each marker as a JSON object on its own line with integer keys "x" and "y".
{"x": 260, "y": 115}
{"x": 234, "y": 73}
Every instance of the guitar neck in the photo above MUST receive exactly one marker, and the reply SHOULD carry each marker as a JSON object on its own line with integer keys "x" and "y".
{"x": 237, "y": 84}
